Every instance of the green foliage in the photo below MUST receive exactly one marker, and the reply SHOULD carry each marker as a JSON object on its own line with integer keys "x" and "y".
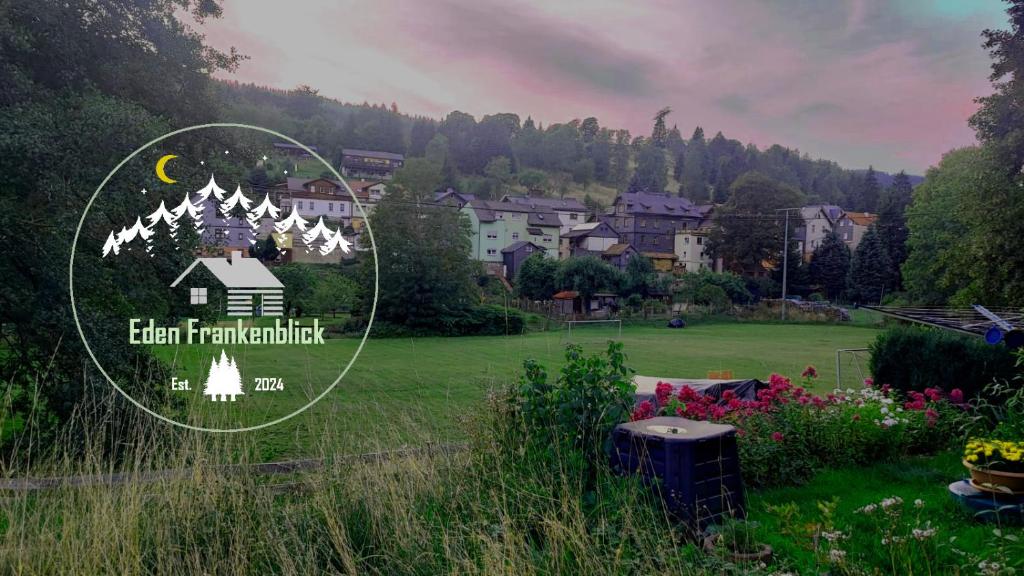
{"x": 482, "y": 320}
{"x": 744, "y": 237}
{"x": 581, "y": 407}
{"x": 693, "y": 178}
{"x": 871, "y": 272}
{"x": 587, "y": 275}
{"x": 639, "y": 277}
{"x": 535, "y": 279}
{"x": 651, "y": 171}
{"x": 914, "y": 358}
{"x": 419, "y": 178}
{"x": 425, "y": 270}
{"x": 692, "y": 287}
{"x": 830, "y": 266}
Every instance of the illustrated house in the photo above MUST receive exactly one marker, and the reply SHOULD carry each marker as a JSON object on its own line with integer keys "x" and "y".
{"x": 248, "y": 282}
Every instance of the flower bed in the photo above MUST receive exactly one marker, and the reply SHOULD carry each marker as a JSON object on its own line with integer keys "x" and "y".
{"x": 787, "y": 433}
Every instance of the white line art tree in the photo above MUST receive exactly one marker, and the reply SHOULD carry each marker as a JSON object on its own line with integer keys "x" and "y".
{"x": 224, "y": 379}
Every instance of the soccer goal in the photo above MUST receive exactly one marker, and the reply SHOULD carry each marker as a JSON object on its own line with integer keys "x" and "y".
{"x": 584, "y": 325}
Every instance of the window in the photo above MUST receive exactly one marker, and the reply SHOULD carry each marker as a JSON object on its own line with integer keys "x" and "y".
{"x": 492, "y": 235}
{"x": 547, "y": 238}
{"x": 197, "y": 296}
{"x": 239, "y": 235}
{"x": 311, "y": 205}
{"x": 492, "y": 251}
{"x": 516, "y": 216}
{"x": 573, "y": 216}
{"x": 330, "y": 206}
{"x": 341, "y": 207}
{"x": 700, "y": 239}
{"x": 686, "y": 239}
{"x": 529, "y": 249}
{"x": 298, "y": 204}
{"x": 812, "y": 228}
{"x": 643, "y": 223}
{"x": 515, "y": 235}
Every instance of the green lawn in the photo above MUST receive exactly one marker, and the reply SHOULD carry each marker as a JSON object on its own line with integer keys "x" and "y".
{"x": 416, "y": 388}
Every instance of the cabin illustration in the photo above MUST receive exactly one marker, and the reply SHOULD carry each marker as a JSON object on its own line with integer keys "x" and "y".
{"x": 252, "y": 289}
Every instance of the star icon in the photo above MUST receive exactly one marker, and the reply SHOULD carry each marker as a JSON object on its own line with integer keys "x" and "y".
{"x": 285, "y": 171}
{"x": 264, "y": 157}
{"x": 202, "y": 162}
{"x": 225, "y": 151}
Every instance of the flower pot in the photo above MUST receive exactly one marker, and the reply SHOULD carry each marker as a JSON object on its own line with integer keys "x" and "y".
{"x": 762, "y": 555}
{"x": 996, "y": 481}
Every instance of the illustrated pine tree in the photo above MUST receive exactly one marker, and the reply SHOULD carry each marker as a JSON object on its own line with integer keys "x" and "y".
{"x": 224, "y": 379}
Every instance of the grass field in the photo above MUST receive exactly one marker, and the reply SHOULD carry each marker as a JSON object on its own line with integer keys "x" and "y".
{"x": 420, "y": 386}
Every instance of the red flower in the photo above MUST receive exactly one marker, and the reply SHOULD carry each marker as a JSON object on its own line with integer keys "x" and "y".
{"x": 643, "y": 411}
{"x": 777, "y": 436}
{"x": 809, "y": 372}
{"x": 662, "y": 392}
{"x": 956, "y": 396}
{"x": 885, "y": 389}
{"x": 869, "y": 382}
{"x": 856, "y": 417}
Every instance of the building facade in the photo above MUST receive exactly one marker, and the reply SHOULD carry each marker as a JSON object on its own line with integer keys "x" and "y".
{"x": 496, "y": 225}
{"x": 649, "y": 222}
{"x": 370, "y": 164}
{"x": 817, "y": 221}
{"x": 571, "y": 212}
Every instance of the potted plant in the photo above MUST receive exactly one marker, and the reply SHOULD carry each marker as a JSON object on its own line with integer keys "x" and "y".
{"x": 995, "y": 465}
{"x": 736, "y": 540}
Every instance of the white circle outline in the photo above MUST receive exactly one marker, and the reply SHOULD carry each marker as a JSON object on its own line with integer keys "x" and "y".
{"x": 78, "y": 231}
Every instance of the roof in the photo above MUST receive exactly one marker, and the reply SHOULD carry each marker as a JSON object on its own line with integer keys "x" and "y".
{"x": 831, "y": 211}
{"x": 438, "y": 196}
{"x": 563, "y": 204}
{"x": 597, "y": 229}
{"x": 534, "y": 231}
{"x": 661, "y": 255}
{"x": 287, "y": 146}
{"x": 486, "y": 212}
{"x": 862, "y": 218}
{"x": 515, "y": 246}
{"x": 617, "y": 249}
{"x": 371, "y": 154}
{"x": 566, "y": 295}
{"x": 659, "y": 204}
{"x": 239, "y": 272}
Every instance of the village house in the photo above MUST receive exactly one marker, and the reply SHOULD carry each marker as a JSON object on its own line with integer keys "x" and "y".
{"x": 370, "y": 164}
{"x": 495, "y": 225}
{"x": 316, "y": 197}
{"x": 851, "y": 227}
{"x": 590, "y": 238}
{"x": 619, "y": 255}
{"x": 817, "y": 221}
{"x": 289, "y": 149}
{"x": 570, "y": 210}
{"x": 452, "y": 198}
{"x": 691, "y": 246}
{"x": 649, "y": 221}
{"x": 513, "y": 256}
{"x": 251, "y": 289}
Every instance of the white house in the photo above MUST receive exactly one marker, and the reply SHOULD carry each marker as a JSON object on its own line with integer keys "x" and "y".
{"x": 571, "y": 211}
{"x": 247, "y": 281}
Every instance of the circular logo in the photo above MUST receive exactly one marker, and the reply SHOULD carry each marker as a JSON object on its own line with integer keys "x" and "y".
{"x": 237, "y": 257}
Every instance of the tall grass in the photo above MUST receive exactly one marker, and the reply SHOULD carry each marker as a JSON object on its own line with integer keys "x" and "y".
{"x": 486, "y": 509}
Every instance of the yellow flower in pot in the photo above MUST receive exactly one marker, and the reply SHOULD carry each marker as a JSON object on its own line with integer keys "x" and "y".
{"x": 995, "y": 465}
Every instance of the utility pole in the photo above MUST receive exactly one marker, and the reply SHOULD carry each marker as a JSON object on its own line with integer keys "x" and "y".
{"x": 785, "y": 259}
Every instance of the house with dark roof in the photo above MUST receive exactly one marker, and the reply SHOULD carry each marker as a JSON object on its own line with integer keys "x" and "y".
{"x": 251, "y": 288}
{"x": 513, "y": 256}
{"x": 370, "y": 164}
{"x": 619, "y": 255}
{"x": 691, "y": 245}
{"x": 452, "y": 198}
{"x": 496, "y": 225}
{"x": 570, "y": 210}
{"x": 817, "y": 221}
{"x": 649, "y": 221}
{"x": 590, "y": 238}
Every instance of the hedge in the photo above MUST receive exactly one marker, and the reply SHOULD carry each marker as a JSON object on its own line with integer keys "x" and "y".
{"x": 915, "y": 358}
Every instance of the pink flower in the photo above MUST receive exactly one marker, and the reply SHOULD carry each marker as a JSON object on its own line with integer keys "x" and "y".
{"x": 856, "y": 417}
{"x": 956, "y": 396}
{"x": 932, "y": 416}
{"x": 809, "y": 372}
{"x": 869, "y": 382}
{"x": 885, "y": 389}
{"x": 777, "y": 436}
{"x": 643, "y": 411}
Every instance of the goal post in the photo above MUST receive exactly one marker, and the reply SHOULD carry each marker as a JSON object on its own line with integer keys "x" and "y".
{"x": 570, "y": 323}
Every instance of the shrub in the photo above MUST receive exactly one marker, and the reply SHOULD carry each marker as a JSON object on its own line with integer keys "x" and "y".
{"x": 693, "y": 284}
{"x": 787, "y": 434}
{"x": 914, "y": 358}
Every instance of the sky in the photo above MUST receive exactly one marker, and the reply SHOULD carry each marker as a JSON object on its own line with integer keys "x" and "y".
{"x": 888, "y": 83}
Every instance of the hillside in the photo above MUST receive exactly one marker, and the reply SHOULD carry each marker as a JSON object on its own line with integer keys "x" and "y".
{"x": 503, "y": 153}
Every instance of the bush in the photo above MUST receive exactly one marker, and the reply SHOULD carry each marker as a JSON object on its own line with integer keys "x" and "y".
{"x": 484, "y": 320}
{"x": 695, "y": 286}
{"x": 914, "y": 358}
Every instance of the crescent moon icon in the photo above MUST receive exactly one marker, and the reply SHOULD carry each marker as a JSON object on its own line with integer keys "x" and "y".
{"x": 160, "y": 164}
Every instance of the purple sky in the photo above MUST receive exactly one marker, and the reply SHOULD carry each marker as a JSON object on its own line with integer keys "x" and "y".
{"x": 883, "y": 82}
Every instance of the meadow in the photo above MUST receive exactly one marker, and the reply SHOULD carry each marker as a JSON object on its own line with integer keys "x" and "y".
{"x": 428, "y": 383}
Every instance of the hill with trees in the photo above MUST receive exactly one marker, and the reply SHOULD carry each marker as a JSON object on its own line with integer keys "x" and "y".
{"x": 503, "y": 152}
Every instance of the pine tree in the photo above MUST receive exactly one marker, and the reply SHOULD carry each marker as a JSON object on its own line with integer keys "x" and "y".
{"x": 869, "y": 191}
{"x": 830, "y": 265}
{"x": 871, "y": 271}
{"x": 892, "y": 224}
{"x": 659, "y": 135}
{"x": 693, "y": 181}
